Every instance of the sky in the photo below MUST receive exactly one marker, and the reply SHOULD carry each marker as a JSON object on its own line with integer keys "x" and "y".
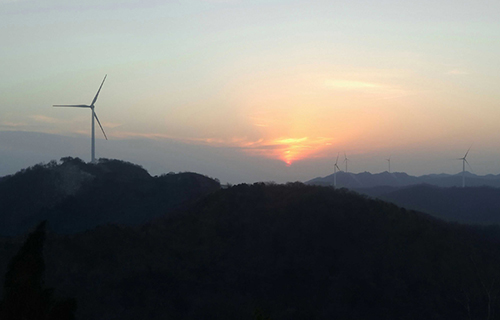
{"x": 256, "y": 90}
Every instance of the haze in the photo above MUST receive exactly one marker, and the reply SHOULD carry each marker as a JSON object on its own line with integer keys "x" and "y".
{"x": 253, "y": 90}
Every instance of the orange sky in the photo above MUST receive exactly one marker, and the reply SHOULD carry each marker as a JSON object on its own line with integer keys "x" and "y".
{"x": 291, "y": 81}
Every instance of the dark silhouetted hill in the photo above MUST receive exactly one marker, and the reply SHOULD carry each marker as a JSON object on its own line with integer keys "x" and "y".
{"x": 280, "y": 251}
{"x": 76, "y": 196}
{"x": 472, "y": 205}
{"x": 25, "y": 295}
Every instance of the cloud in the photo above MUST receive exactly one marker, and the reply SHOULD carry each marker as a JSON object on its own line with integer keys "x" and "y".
{"x": 215, "y": 142}
{"x": 262, "y": 125}
{"x": 12, "y": 124}
{"x": 291, "y": 140}
{"x": 350, "y": 85}
{"x": 45, "y": 119}
{"x": 385, "y": 91}
{"x": 457, "y": 72}
{"x": 286, "y": 149}
{"x": 262, "y": 122}
{"x": 128, "y": 134}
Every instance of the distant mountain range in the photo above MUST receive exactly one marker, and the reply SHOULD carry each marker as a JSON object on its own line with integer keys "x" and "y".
{"x": 401, "y": 179}
{"x": 75, "y": 196}
{"x": 440, "y": 195}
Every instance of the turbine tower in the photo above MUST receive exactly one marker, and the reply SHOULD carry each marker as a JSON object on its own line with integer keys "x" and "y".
{"x": 464, "y": 160}
{"x": 389, "y": 162}
{"x": 94, "y": 116}
{"x": 335, "y": 168}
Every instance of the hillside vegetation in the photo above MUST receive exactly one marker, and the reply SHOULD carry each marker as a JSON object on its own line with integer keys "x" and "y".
{"x": 279, "y": 251}
{"x": 75, "y": 196}
{"x": 471, "y": 205}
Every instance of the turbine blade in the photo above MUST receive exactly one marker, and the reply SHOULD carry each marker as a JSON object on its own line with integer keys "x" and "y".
{"x": 71, "y": 106}
{"x": 95, "y": 98}
{"x": 99, "y": 122}
{"x": 470, "y": 167}
{"x": 467, "y": 152}
{"x": 337, "y": 158}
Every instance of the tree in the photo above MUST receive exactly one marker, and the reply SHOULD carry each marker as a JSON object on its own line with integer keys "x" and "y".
{"x": 25, "y": 296}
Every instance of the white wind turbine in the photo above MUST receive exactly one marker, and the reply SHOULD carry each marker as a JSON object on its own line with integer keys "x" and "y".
{"x": 94, "y": 116}
{"x": 335, "y": 168}
{"x": 464, "y": 160}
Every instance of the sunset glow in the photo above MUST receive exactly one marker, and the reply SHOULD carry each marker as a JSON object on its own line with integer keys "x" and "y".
{"x": 270, "y": 83}
{"x": 287, "y": 150}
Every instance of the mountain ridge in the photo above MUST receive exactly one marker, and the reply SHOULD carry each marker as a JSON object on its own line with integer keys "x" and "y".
{"x": 401, "y": 179}
{"x": 470, "y": 205}
{"x": 76, "y": 196}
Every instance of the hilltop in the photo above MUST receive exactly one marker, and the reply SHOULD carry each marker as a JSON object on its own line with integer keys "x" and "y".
{"x": 76, "y": 196}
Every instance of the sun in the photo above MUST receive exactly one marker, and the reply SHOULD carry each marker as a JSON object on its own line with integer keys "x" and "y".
{"x": 287, "y": 158}
{"x": 290, "y": 150}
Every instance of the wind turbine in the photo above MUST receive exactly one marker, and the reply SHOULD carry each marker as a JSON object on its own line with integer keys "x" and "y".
{"x": 346, "y": 160}
{"x": 464, "y": 160}
{"x": 335, "y": 168}
{"x": 389, "y": 162}
{"x": 94, "y": 116}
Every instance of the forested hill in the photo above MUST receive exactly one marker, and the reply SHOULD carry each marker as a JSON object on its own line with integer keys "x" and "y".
{"x": 471, "y": 205}
{"x": 76, "y": 196}
{"x": 279, "y": 252}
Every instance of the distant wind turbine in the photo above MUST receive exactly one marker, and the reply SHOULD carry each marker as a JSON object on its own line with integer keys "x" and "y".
{"x": 335, "y": 168}
{"x": 464, "y": 160}
{"x": 94, "y": 115}
{"x": 346, "y": 160}
{"x": 389, "y": 162}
